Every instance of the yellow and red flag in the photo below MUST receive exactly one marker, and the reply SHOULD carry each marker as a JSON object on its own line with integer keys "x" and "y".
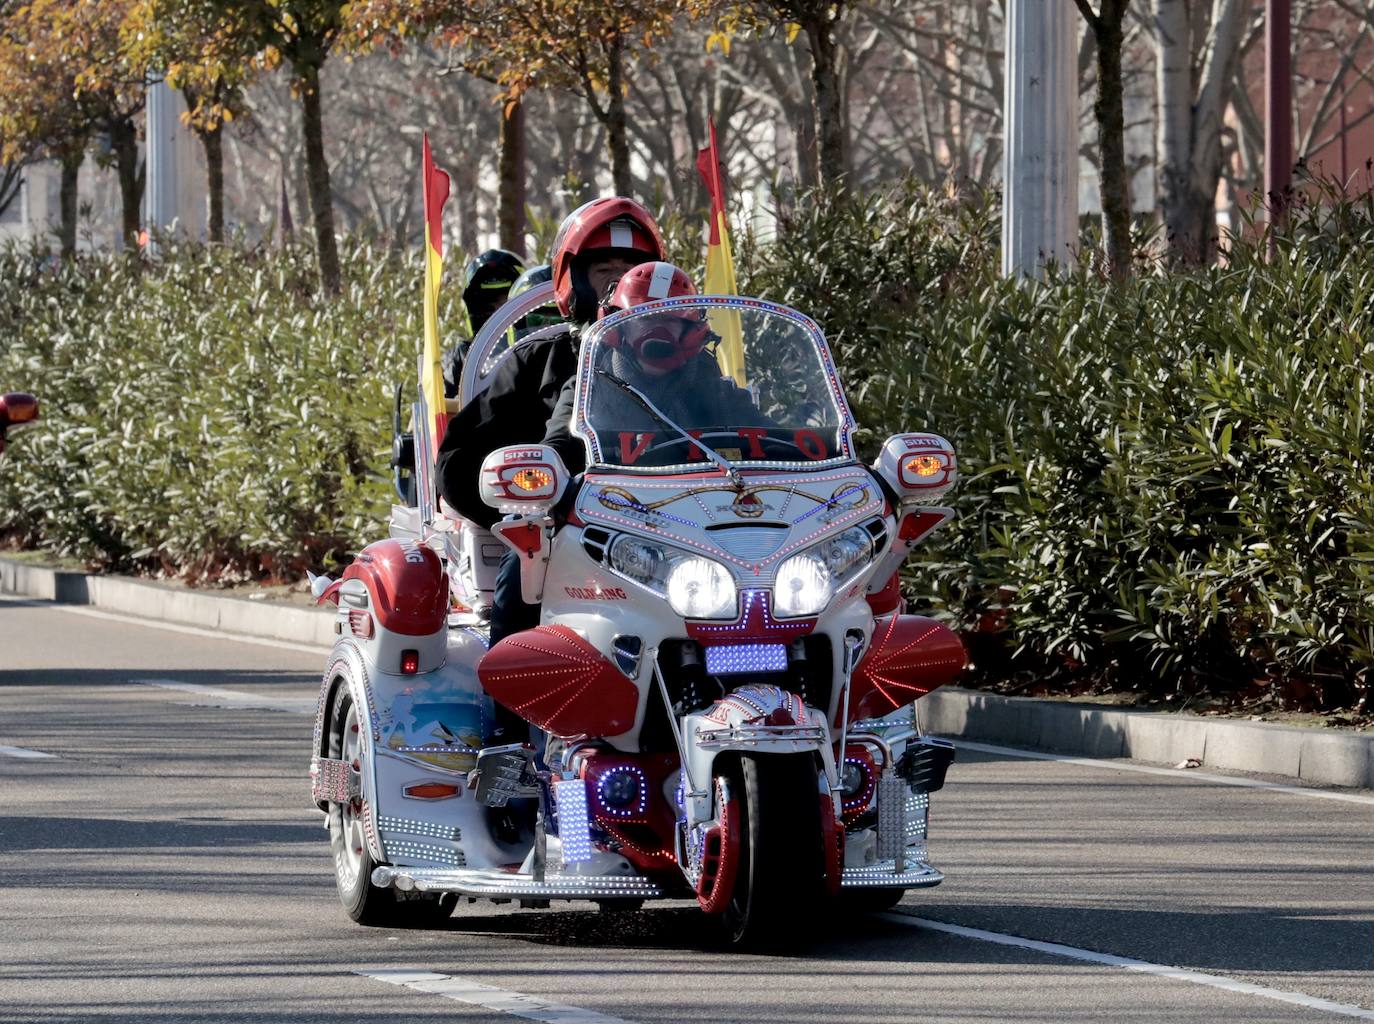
{"x": 436, "y": 188}
{"x": 720, "y": 265}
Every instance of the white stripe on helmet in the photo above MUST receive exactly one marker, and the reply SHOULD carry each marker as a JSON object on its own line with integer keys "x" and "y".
{"x": 661, "y": 280}
{"x": 622, "y": 236}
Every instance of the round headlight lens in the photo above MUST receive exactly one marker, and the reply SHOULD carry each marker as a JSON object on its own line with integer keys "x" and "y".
{"x": 802, "y": 587}
{"x": 637, "y": 559}
{"x": 699, "y": 588}
{"x": 846, "y": 552}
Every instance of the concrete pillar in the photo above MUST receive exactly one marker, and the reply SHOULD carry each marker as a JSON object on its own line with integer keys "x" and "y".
{"x": 160, "y": 187}
{"x": 1040, "y": 114}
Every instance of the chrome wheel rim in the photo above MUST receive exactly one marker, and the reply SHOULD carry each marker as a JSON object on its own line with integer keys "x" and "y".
{"x": 352, "y": 842}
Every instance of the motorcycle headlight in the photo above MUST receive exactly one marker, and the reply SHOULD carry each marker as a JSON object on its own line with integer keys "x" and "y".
{"x": 699, "y": 588}
{"x": 802, "y": 587}
{"x": 806, "y": 582}
{"x": 696, "y": 587}
{"x": 845, "y": 552}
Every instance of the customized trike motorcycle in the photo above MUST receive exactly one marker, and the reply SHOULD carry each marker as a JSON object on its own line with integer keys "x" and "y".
{"x": 721, "y": 687}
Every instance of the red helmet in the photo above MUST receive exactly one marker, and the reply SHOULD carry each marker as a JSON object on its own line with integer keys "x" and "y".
{"x": 616, "y": 224}
{"x": 653, "y": 343}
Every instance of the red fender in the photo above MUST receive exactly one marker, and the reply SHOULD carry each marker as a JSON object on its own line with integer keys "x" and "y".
{"x": 909, "y": 656}
{"x": 550, "y": 676}
{"x": 720, "y": 860}
{"x": 407, "y": 586}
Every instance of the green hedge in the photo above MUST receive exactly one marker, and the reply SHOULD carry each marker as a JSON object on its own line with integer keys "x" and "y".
{"x": 207, "y": 415}
{"x": 1166, "y": 483}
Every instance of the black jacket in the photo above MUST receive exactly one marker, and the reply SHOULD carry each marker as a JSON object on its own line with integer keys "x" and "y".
{"x": 514, "y": 409}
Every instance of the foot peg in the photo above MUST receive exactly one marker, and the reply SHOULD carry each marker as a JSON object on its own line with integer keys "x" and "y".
{"x": 503, "y": 773}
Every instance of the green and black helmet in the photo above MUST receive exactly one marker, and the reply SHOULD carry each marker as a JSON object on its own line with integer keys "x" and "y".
{"x": 487, "y": 281}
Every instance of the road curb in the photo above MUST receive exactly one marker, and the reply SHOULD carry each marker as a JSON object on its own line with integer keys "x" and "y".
{"x": 1313, "y": 755}
{"x": 162, "y": 603}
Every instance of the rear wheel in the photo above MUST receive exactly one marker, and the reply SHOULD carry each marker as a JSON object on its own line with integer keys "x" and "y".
{"x": 353, "y": 864}
{"x": 780, "y": 883}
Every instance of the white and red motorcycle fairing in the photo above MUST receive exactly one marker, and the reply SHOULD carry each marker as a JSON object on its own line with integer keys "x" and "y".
{"x": 722, "y": 675}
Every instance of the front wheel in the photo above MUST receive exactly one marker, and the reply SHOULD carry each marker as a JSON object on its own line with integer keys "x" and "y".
{"x": 364, "y": 902}
{"x": 780, "y": 883}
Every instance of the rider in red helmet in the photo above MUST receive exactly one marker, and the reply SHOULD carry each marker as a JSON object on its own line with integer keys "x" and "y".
{"x": 597, "y": 243}
{"x": 664, "y": 357}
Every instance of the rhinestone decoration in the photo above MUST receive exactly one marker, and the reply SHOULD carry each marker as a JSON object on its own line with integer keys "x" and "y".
{"x": 410, "y": 826}
{"x": 423, "y": 851}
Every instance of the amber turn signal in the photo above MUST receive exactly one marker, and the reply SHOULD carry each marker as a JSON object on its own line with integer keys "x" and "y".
{"x": 532, "y": 479}
{"x": 924, "y": 465}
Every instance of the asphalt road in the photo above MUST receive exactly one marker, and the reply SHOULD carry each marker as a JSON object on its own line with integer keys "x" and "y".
{"x": 165, "y": 864}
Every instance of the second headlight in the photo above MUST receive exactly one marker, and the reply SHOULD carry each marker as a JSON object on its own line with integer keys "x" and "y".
{"x": 696, "y": 587}
{"x": 802, "y": 587}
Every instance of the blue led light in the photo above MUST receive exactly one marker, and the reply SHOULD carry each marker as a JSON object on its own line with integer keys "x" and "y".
{"x": 615, "y": 501}
{"x": 722, "y": 661}
{"x": 574, "y": 833}
{"x": 829, "y": 504}
{"x": 639, "y": 799}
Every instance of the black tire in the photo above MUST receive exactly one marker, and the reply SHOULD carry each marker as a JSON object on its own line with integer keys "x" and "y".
{"x": 619, "y": 906}
{"x": 779, "y": 887}
{"x": 870, "y": 901}
{"x": 353, "y": 864}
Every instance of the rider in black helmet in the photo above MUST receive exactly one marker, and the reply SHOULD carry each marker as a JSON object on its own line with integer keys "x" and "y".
{"x": 487, "y": 280}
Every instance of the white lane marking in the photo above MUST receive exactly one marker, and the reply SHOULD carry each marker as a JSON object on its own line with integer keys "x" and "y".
{"x": 1178, "y": 774}
{"x": 215, "y": 697}
{"x": 174, "y": 627}
{"x": 487, "y": 996}
{"x": 23, "y": 753}
{"x": 1143, "y": 966}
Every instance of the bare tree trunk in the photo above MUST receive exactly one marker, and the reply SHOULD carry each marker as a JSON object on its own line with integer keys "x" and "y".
{"x": 1174, "y": 91}
{"x": 832, "y": 150}
{"x": 511, "y": 200}
{"x": 317, "y": 178}
{"x": 1190, "y": 124}
{"x": 124, "y": 142}
{"x": 11, "y": 181}
{"x": 466, "y": 178}
{"x": 1113, "y": 183}
{"x": 617, "y": 135}
{"x": 212, "y": 140}
{"x": 67, "y": 201}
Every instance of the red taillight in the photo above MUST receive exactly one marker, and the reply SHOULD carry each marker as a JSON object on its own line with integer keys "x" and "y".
{"x": 410, "y": 662}
{"x": 431, "y": 791}
{"x": 360, "y": 624}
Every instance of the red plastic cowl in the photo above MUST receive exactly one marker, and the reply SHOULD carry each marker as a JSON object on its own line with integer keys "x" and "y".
{"x": 550, "y": 676}
{"x": 408, "y": 588}
{"x": 910, "y": 655}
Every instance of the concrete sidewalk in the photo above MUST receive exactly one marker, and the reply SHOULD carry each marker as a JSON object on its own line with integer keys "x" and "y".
{"x": 163, "y": 603}
{"x": 1323, "y": 757}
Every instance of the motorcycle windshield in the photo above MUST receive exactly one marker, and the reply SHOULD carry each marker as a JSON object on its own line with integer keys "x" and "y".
{"x": 751, "y": 380}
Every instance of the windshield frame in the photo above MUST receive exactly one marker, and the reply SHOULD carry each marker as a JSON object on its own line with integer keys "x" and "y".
{"x": 591, "y": 344}
{"x": 480, "y": 367}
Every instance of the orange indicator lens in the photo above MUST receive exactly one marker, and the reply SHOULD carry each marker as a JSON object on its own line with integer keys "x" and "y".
{"x": 532, "y": 479}
{"x": 924, "y": 465}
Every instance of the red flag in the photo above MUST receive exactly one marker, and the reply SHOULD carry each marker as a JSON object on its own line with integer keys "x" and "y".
{"x": 435, "y": 185}
{"x": 708, "y": 165}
